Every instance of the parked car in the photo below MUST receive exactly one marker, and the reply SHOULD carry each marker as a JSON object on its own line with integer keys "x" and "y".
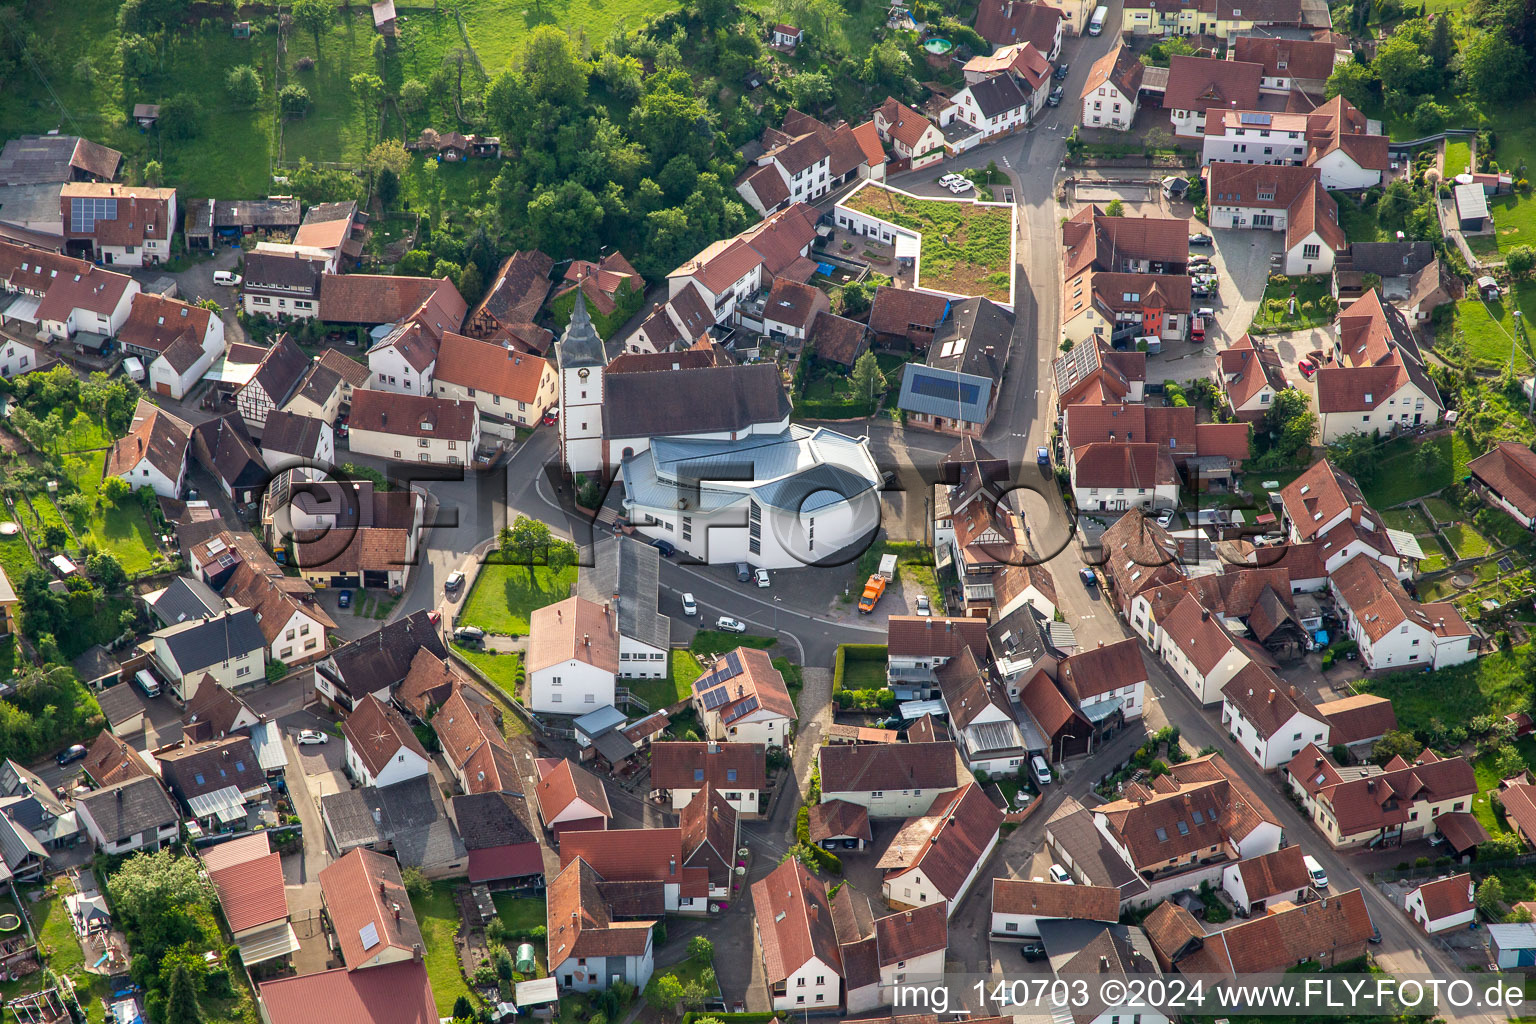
{"x": 1061, "y": 71}
{"x": 1375, "y": 938}
{"x": 454, "y": 581}
{"x": 74, "y": 753}
{"x": 1435, "y": 838}
{"x": 1059, "y": 874}
{"x": 690, "y": 606}
{"x": 1032, "y": 951}
{"x": 743, "y": 572}
{"x": 1165, "y": 518}
{"x": 1307, "y": 367}
{"x": 924, "y": 606}
{"x": 730, "y": 625}
{"x": 959, "y": 187}
{"x": 434, "y": 616}
{"x": 344, "y": 599}
{"x": 664, "y": 546}
{"x": 1316, "y": 873}
{"x": 1087, "y": 576}
{"x": 469, "y": 634}
{"x": 1199, "y": 259}
{"x": 551, "y": 415}
{"x": 761, "y": 576}
{"x": 1054, "y": 99}
{"x": 311, "y": 737}
{"x": 949, "y": 179}
{"x": 227, "y": 278}
{"x": 1200, "y": 239}
{"x": 1042, "y": 456}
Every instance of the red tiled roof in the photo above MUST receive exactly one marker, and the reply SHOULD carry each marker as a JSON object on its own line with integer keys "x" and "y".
{"x": 1303, "y": 58}
{"x": 1509, "y": 470}
{"x": 450, "y": 419}
{"x": 573, "y": 628}
{"x": 839, "y": 819}
{"x": 867, "y": 767}
{"x": 486, "y": 366}
{"x": 633, "y": 855}
{"x": 1004, "y": 22}
{"x": 580, "y": 922}
{"x": 1055, "y": 899}
{"x": 1330, "y": 931}
{"x": 561, "y": 783}
{"x": 1360, "y": 717}
{"x": 376, "y": 731}
{"x": 1266, "y": 701}
{"x": 1447, "y": 897}
{"x": 362, "y": 889}
{"x": 1119, "y": 67}
{"x": 948, "y": 842}
{"x": 726, "y": 766}
{"x": 1380, "y": 604}
{"x": 794, "y": 921}
{"x": 1103, "y": 669}
{"x": 397, "y": 993}
{"x": 251, "y": 894}
{"x": 1274, "y": 874}
{"x": 920, "y": 637}
{"x": 909, "y": 934}
{"x": 903, "y": 124}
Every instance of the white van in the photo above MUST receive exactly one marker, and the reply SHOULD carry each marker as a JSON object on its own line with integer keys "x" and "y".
{"x": 1096, "y": 23}
{"x": 1316, "y": 873}
{"x": 148, "y": 683}
{"x": 228, "y": 278}
{"x": 1041, "y": 769}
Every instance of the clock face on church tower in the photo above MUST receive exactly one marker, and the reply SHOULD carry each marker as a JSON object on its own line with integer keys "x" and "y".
{"x": 583, "y": 373}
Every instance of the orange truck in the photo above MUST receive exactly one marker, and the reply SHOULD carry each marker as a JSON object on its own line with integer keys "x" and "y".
{"x": 874, "y": 587}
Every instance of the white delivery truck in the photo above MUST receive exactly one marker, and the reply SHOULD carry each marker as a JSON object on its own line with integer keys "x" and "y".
{"x": 1096, "y": 23}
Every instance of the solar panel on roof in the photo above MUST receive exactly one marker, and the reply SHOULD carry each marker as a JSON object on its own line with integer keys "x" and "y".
{"x": 745, "y": 707}
{"x": 1506, "y": 563}
{"x": 1254, "y": 118}
{"x": 369, "y": 933}
{"x": 733, "y": 663}
{"x": 943, "y": 387}
{"x": 714, "y": 698}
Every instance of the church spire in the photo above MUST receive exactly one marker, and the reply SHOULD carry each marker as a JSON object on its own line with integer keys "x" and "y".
{"x": 580, "y": 344}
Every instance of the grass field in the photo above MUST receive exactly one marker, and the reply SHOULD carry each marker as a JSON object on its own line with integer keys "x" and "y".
{"x": 1434, "y": 555}
{"x": 235, "y": 149}
{"x": 1487, "y": 329}
{"x": 708, "y": 642}
{"x": 966, "y": 248}
{"x": 1399, "y": 479}
{"x": 1359, "y": 224}
{"x": 1442, "y": 510}
{"x": 124, "y": 531}
{"x": 678, "y": 686}
{"x": 1408, "y": 519}
{"x": 15, "y": 559}
{"x": 1465, "y": 541}
{"x": 1458, "y": 157}
{"x": 1305, "y": 289}
{"x": 439, "y": 920}
{"x": 863, "y": 675}
{"x": 505, "y": 595}
{"x": 85, "y": 433}
{"x": 1493, "y": 685}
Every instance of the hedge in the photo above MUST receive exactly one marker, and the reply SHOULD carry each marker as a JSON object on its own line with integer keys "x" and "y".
{"x": 855, "y": 652}
{"x": 803, "y": 824}
{"x": 825, "y": 860}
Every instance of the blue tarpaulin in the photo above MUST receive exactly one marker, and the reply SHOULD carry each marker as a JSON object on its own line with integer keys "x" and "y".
{"x": 1321, "y": 636}
{"x": 826, "y": 268}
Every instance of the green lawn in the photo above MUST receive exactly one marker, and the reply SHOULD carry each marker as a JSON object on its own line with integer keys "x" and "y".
{"x": 913, "y": 561}
{"x": 1399, "y": 479}
{"x": 1488, "y": 329}
{"x": 678, "y": 686}
{"x": 505, "y": 595}
{"x": 1458, "y": 157}
{"x": 439, "y": 920}
{"x": 502, "y": 670}
{"x": 863, "y": 675}
{"x": 85, "y": 433}
{"x": 1410, "y": 520}
{"x": 1493, "y": 685}
{"x": 1465, "y": 541}
{"x": 966, "y": 248}
{"x": 1434, "y": 555}
{"x": 123, "y": 531}
{"x": 1305, "y": 289}
{"x": 1359, "y": 224}
{"x": 1442, "y": 510}
{"x": 519, "y": 912}
{"x": 15, "y": 558}
{"x": 712, "y": 641}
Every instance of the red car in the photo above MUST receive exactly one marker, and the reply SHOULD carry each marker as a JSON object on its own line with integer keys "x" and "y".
{"x": 1307, "y": 368}
{"x": 434, "y": 617}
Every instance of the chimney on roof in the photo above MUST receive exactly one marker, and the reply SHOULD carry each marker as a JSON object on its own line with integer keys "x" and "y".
{"x": 1354, "y": 511}
{"x": 416, "y": 952}
{"x": 586, "y": 639}
{"x": 1205, "y": 614}
{"x": 1271, "y": 695}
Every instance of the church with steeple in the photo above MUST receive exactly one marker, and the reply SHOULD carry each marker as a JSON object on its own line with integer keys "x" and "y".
{"x": 582, "y": 362}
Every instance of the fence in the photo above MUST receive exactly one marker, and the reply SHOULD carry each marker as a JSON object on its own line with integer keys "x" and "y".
{"x": 1480, "y": 868}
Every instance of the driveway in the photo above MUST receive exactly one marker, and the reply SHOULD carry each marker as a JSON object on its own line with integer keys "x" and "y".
{"x": 196, "y": 283}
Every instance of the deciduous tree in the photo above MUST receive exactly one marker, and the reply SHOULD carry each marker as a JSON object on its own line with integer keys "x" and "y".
{"x": 314, "y": 16}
